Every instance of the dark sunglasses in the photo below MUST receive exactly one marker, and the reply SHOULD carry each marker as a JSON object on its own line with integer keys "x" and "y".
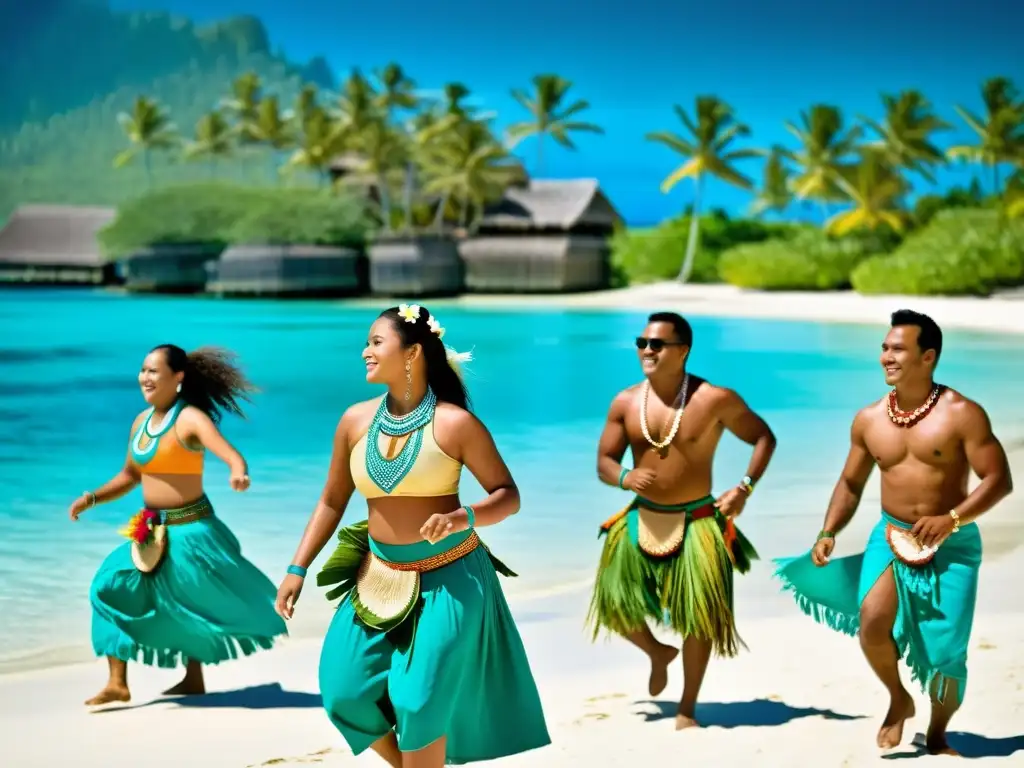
{"x": 656, "y": 345}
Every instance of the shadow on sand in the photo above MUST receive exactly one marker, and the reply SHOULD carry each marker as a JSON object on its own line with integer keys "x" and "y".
{"x": 969, "y": 745}
{"x": 763, "y": 713}
{"x": 269, "y": 696}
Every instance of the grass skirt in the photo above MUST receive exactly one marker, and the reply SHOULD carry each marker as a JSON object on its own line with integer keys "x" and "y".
{"x": 935, "y": 602}
{"x": 690, "y": 591}
{"x": 456, "y": 669}
{"x": 205, "y": 602}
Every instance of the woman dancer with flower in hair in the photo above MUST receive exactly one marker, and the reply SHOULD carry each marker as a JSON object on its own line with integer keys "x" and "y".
{"x": 423, "y": 662}
{"x": 179, "y": 591}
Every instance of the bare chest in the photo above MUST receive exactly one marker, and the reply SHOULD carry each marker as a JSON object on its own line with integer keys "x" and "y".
{"x": 929, "y": 442}
{"x": 667, "y": 430}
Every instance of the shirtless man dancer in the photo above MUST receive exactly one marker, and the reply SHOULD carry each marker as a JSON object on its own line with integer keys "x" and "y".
{"x": 925, "y": 438}
{"x": 674, "y": 532}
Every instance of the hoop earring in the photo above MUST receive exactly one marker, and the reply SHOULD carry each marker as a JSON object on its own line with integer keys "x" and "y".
{"x": 408, "y": 380}
{"x": 178, "y": 388}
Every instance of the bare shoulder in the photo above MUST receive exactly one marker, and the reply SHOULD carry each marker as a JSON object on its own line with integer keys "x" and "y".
{"x": 357, "y": 417}
{"x": 622, "y": 401}
{"x": 190, "y": 416}
{"x": 139, "y": 419}
{"x": 869, "y": 416}
{"x": 453, "y": 420}
{"x": 968, "y": 415}
{"x": 717, "y": 398}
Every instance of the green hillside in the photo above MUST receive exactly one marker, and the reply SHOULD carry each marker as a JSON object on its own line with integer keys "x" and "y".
{"x": 59, "y": 131}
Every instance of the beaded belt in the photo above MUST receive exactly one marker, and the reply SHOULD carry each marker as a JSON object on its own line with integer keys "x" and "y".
{"x": 439, "y": 560}
{"x": 196, "y": 510}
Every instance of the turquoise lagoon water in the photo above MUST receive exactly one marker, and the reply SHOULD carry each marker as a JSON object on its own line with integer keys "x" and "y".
{"x": 541, "y": 380}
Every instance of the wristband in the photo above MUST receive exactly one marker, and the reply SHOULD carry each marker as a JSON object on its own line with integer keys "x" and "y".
{"x": 470, "y": 515}
{"x": 91, "y": 496}
{"x": 297, "y": 570}
{"x": 622, "y": 478}
{"x": 956, "y": 520}
{"x": 825, "y": 535}
{"x": 747, "y": 484}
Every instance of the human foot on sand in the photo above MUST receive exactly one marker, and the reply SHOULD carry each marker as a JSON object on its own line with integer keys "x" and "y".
{"x": 109, "y": 694}
{"x": 187, "y": 687}
{"x": 660, "y": 660}
{"x": 901, "y": 709}
{"x": 685, "y": 721}
{"x": 936, "y": 744}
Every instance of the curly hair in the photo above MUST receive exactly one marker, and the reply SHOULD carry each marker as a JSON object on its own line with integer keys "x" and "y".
{"x": 213, "y": 383}
{"x": 441, "y": 377}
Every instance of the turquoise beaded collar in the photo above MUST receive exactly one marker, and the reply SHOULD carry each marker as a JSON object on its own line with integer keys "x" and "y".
{"x": 386, "y": 473}
{"x": 142, "y": 455}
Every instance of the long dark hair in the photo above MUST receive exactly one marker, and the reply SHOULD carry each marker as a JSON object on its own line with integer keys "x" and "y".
{"x": 213, "y": 383}
{"x": 441, "y": 377}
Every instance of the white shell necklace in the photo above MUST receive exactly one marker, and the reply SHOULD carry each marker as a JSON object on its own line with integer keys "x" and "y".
{"x": 661, "y": 445}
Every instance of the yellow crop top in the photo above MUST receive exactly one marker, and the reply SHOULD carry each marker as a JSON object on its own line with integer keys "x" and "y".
{"x": 434, "y": 473}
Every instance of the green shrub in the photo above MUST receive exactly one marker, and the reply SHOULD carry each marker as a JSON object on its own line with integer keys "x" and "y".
{"x": 219, "y": 214}
{"x": 807, "y": 260}
{"x": 656, "y": 253}
{"x": 300, "y": 216}
{"x": 965, "y": 252}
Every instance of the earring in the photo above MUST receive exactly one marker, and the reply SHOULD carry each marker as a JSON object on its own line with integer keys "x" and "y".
{"x": 408, "y": 379}
{"x": 178, "y": 388}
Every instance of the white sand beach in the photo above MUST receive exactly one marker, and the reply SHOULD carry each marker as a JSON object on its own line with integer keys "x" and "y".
{"x": 801, "y": 694}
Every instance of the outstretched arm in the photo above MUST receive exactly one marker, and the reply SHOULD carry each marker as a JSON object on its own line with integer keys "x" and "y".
{"x": 737, "y": 417}
{"x": 849, "y": 489}
{"x": 479, "y": 454}
{"x": 197, "y": 426}
{"x": 612, "y": 446}
{"x": 988, "y": 460}
{"x": 333, "y": 500}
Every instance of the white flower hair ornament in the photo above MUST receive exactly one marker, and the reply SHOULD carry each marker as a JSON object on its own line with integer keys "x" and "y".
{"x": 409, "y": 312}
{"x": 457, "y": 359}
{"x": 435, "y": 327}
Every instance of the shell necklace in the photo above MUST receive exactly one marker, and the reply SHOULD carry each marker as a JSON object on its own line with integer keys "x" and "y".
{"x": 907, "y": 419}
{"x": 661, "y": 446}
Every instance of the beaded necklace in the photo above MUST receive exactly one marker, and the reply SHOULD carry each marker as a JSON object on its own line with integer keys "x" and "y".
{"x": 907, "y": 419}
{"x": 661, "y": 446}
{"x": 143, "y": 454}
{"x": 388, "y": 473}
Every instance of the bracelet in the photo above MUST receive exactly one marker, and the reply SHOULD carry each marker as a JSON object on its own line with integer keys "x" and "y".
{"x": 823, "y": 534}
{"x": 956, "y": 520}
{"x": 92, "y": 498}
{"x": 622, "y": 477}
{"x": 297, "y": 570}
{"x": 470, "y": 515}
{"x": 747, "y": 484}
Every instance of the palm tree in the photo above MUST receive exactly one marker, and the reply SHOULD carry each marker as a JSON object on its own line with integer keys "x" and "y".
{"x": 468, "y": 165}
{"x": 213, "y": 139}
{"x": 707, "y": 152}
{"x": 550, "y": 116}
{"x": 273, "y": 129}
{"x": 383, "y": 149}
{"x": 774, "y": 195}
{"x": 317, "y": 145}
{"x": 148, "y": 127}
{"x": 243, "y": 106}
{"x": 394, "y": 89}
{"x": 825, "y": 144}
{"x": 1015, "y": 194}
{"x": 875, "y": 187}
{"x": 905, "y": 133}
{"x": 1000, "y": 133}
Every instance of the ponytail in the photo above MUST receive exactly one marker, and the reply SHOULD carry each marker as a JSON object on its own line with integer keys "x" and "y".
{"x": 213, "y": 382}
{"x": 442, "y": 363}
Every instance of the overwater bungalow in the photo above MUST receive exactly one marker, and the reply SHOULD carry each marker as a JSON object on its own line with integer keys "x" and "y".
{"x": 543, "y": 236}
{"x": 55, "y": 245}
{"x": 288, "y": 270}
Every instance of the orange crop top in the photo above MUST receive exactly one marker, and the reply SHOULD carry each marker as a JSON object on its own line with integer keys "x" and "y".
{"x": 162, "y": 452}
{"x": 434, "y": 473}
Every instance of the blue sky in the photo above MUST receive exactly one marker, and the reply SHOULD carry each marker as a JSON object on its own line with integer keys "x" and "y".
{"x": 634, "y": 60}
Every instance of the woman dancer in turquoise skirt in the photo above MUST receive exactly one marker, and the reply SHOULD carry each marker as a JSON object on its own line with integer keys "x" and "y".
{"x": 423, "y": 662}
{"x": 179, "y": 592}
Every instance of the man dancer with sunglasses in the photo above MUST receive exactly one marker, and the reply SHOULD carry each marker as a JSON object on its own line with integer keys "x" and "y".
{"x": 669, "y": 556}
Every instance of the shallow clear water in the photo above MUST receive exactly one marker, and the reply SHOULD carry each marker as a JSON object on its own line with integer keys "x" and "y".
{"x": 542, "y": 381}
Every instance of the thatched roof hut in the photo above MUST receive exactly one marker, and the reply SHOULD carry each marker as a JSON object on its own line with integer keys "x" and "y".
{"x": 421, "y": 265}
{"x": 55, "y": 244}
{"x": 171, "y": 267}
{"x": 545, "y": 236}
{"x": 288, "y": 270}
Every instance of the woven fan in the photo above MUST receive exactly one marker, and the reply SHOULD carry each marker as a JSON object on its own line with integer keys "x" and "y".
{"x": 907, "y": 549}
{"x": 384, "y": 597}
{"x": 147, "y": 557}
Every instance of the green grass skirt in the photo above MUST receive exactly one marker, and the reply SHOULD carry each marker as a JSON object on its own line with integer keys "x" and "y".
{"x": 690, "y": 591}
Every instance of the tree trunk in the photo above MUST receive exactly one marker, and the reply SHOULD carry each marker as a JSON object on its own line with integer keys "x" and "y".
{"x": 441, "y": 208}
{"x": 385, "y": 202}
{"x": 694, "y": 236}
{"x": 149, "y": 167}
{"x": 540, "y": 154}
{"x": 408, "y": 197}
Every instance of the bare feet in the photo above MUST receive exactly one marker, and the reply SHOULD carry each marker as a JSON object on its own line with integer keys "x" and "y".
{"x": 683, "y": 722}
{"x": 109, "y": 694}
{"x": 937, "y": 745}
{"x": 660, "y": 660}
{"x": 901, "y": 709}
{"x": 187, "y": 687}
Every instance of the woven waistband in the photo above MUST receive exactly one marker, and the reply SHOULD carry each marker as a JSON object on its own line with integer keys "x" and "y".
{"x": 694, "y": 510}
{"x": 195, "y": 510}
{"x": 440, "y": 560}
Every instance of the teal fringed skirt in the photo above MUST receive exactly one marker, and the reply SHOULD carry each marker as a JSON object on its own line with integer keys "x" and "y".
{"x": 205, "y": 602}
{"x": 463, "y": 672}
{"x": 935, "y": 602}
